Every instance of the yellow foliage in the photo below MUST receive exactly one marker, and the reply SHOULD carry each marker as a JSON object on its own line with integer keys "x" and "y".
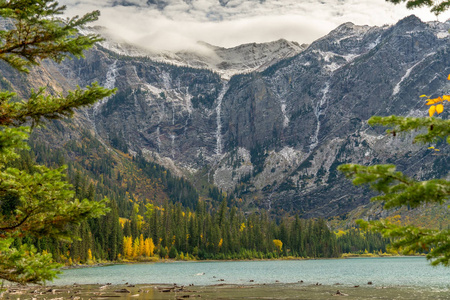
{"x": 122, "y": 221}
{"x": 136, "y": 247}
{"x": 396, "y": 219}
{"x": 439, "y": 108}
{"x": 339, "y": 233}
{"x": 141, "y": 245}
{"x": 220, "y": 243}
{"x": 278, "y": 244}
{"x": 149, "y": 247}
{"x": 432, "y": 110}
{"x": 127, "y": 246}
{"x": 242, "y": 227}
{"x": 89, "y": 254}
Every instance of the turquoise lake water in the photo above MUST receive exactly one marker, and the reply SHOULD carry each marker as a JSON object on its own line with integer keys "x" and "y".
{"x": 392, "y": 271}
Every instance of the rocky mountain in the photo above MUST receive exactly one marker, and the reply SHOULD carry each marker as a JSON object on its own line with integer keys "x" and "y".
{"x": 224, "y": 61}
{"x": 275, "y": 136}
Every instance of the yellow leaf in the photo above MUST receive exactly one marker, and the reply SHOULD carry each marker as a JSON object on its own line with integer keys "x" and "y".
{"x": 431, "y": 147}
{"x": 437, "y": 150}
{"x": 434, "y": 101}
{"x": 421, "y": 96}
{"x": 446, "y": 97}
{"x": 432, "y": 110}
{"x": 439, "y": 108}
{"x": 448, "y": 78}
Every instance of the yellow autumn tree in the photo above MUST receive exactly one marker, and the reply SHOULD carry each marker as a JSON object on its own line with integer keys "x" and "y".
{"x": 278, "y": 245}
{"x": 141, "y": 245}
{"x": 127, "y": 246}
{"x": 149, "y": 247}
{"x": 136, "y": 247}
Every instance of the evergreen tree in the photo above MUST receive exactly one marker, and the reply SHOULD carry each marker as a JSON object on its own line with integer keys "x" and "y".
{"x": 437, "y": 7}
{"x": 37, "y": 201}
{"x": 400, "y": 190}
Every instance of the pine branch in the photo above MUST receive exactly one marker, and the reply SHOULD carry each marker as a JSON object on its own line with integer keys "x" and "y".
{"x": 436, "y": 129}
{"x": 397, "y": 188}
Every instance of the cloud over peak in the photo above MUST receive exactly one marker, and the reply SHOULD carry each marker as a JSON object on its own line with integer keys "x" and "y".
{"x": 178, "y": 24}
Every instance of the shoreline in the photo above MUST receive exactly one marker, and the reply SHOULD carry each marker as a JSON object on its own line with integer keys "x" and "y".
{"x": 221, "y": 291}
{"x": 168, "y": 260}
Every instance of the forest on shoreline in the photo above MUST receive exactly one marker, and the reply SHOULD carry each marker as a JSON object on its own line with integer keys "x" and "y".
{"x": 165, "y": 227}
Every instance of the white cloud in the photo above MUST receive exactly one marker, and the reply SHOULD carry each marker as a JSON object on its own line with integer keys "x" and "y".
{"x": 178, "y": 24}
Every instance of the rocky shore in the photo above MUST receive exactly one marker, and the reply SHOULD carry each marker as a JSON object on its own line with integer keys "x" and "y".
{"x": 220, "y": 291}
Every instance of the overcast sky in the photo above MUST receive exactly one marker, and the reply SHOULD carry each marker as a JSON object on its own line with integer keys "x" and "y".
{"x": 178, "y": 24}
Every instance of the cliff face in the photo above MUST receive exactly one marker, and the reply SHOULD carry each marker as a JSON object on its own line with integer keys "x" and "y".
{"x": 276, "y": 137}
{"x": 309, "y": 113}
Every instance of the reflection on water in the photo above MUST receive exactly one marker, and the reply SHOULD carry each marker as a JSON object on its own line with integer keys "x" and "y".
{"x": 397, "y": 271}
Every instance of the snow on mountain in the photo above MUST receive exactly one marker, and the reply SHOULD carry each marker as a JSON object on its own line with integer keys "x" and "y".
{"x": 224, "y": 61}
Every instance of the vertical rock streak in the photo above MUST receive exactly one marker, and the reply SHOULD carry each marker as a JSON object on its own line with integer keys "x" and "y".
{"x": 172, "y": 137}
{"x": 158, "y": 139}
{"x": 222, "y": 93}
{"x": 319, "y": 109}
{"x": 407, "y": 73}
{"x": 109, "y": 83}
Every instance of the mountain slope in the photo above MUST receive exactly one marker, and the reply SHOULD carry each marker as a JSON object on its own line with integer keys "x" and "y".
{"x": 274, "y": 138}
{"x": 224, "y": 61}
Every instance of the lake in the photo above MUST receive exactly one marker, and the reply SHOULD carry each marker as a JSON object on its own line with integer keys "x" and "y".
{"x": 390, "y": 271}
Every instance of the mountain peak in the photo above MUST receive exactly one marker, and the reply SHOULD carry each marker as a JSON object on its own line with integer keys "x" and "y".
{"x": 409, "y": 23}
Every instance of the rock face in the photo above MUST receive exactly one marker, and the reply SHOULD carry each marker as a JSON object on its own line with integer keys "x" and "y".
{"x": 275, "y": 137}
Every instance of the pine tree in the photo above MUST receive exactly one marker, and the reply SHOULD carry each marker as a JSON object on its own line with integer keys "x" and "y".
{"x": 437, "y": 7}
{"x": 38, "y": 202}
{"x": 400, "y": 190}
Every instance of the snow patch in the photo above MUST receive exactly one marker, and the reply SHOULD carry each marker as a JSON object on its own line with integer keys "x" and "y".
{"x": 289, "y": 154}
{"x": 350, "y": 57}
{"x": 374, "y": 44}
{"x": 153, "y": 89}
{"x": 408, "y": 72}
{"x": 244, "y": 154}
{"x": 332, "y": 67}
{"x": 442, "y": 34}
{"x": 326, "y": 55}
